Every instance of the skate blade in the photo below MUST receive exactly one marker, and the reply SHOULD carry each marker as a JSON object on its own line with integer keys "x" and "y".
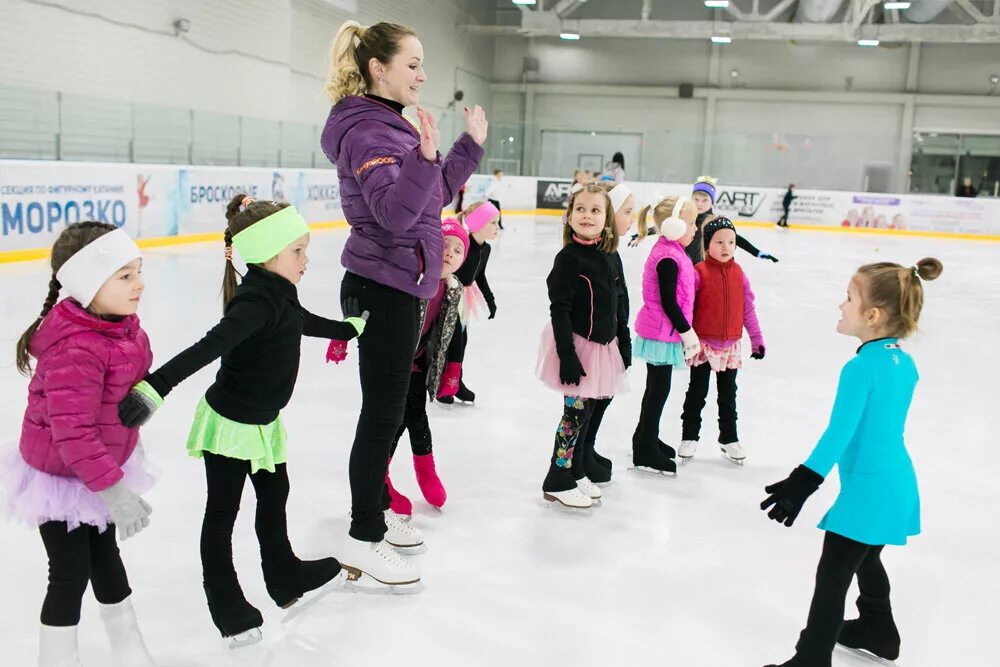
{"x": 686, "y": 460}
{"x": 312, "y": 597}
{"x": 244, "y": 639}
{"x": 560, "y": 506}
{"x": 735, "y": 462}
{"x": 871, "y": 657}
{"x": 362, "y": 582}
{"x": 655, "y": 472}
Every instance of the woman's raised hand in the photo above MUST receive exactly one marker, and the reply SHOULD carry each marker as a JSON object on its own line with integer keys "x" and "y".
{"x": 430, "y": 136}
{"x": 475, "y": 124}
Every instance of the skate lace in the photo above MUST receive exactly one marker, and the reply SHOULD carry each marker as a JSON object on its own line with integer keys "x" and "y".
{"x": 390, "y": 555}
{"x": 397, "y": 524}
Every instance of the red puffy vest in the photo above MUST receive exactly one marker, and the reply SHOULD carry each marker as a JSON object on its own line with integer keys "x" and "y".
{"x": 718, "y": 305}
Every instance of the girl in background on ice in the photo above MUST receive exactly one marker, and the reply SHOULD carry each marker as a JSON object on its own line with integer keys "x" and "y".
{"x": 78, "y": 472}
{"x": 723, "y": 307}
{"x": 482, "y": 219}
{"x": 703, "y": 194}
{"x": 878, "y": 503}
{"x": 393, "y": 185}
{"x": 237, "y": 426}
{"x": 597, "y": 467}
{"x": 579, "y": 355}
{"x": 664, "y": 336}
{"x": 437, "y": 369}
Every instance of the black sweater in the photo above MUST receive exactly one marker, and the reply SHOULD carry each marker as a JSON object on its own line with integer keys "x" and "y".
{"x": 258, "y": 340}
{"x": 583, "y": 296}
{"x": 696, "y": 249}
{"x": 473, "y": 269}
{"x": 618, "y": 271}
{"x": 666, "y": 275}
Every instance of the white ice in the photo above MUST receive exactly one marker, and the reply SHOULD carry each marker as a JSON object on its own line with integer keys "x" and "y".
{"x": 684, "y": 571}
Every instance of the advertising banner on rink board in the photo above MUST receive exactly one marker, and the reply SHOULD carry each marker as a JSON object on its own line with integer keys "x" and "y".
{"x": 552, "y": 193}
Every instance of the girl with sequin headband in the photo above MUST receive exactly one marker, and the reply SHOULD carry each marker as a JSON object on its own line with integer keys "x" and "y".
{"x": 237, "y": 428}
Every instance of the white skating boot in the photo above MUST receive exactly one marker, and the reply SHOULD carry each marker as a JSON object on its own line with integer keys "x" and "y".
{"x": 589, "y": 489}
{"x": 734, "y": 452}
{"x": 379, "y": 561}
{"x": 573, "y": 499}
{"x": 401, "y": 534}
{"x": 123, "y": 631}
{"x": 57, "y": 647}
{"x": 687, "y": 449}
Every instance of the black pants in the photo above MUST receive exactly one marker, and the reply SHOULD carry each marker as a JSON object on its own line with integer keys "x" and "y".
{"x": 415, "y": 418}
{"x": 77, "y": 557}
{"x": 385, "y": 359}
{"x": 225, "y": 479}
{"x": 653, "y": 400}
{"x": 694, "y": 403}
{"x": 589, "y": 435}
{"x": 842, "y": 558}
{"x": 783, "y": 222}
{"x": 566, "y": 464}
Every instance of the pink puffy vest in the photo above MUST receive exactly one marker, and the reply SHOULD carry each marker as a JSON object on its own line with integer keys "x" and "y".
{"x": 651, "y": 323}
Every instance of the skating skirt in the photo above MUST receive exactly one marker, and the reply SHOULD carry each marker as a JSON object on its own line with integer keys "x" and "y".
{"x": 602, "y": 363}
{"x": 658, "y": 352}
{"x": 472, "y": 305}
{"x": 33, "y": 497}
{"x": 262, "y": 445}
{"x": 723, "y": 358}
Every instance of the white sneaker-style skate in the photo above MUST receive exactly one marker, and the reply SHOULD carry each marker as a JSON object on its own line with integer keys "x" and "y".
{"x": 687, "y": 449}
{"x": 589, "y": 489}
{"x": 379, "y": 561}
{"x": 57, "y": 647}
{"x": 401, "y": 534}
{"x": 734, "y": 452}
{"x": 123, "y": 631}
{"x": 573, "y": 499}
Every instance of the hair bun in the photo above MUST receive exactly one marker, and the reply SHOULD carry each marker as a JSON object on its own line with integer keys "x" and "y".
{"x": 929, "y": 268}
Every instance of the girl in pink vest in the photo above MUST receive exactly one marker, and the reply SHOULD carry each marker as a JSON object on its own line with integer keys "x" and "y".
{"x": 579, "y": 355}
{"x": 664, "y": 335}
{"x": 78, "y": 472}
{"x": 723, "y": 307}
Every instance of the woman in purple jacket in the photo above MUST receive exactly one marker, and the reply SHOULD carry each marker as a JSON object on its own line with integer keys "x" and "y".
{"x": 393, "y": 184}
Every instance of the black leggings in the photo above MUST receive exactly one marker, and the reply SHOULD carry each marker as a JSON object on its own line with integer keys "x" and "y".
{"x": 77, "y": 557}
{"x": 415, "y": 418}
{"x": 589, "y": 434}
{"x": 385, "y": 359}
{"x": 694, "y": 403}
{"x": 842, "y": 558}
{"x": 225, "y": 478}
{"x": 653, "y": 400}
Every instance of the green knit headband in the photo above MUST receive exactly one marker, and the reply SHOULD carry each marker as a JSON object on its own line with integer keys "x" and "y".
{"x": 267, "y": 237}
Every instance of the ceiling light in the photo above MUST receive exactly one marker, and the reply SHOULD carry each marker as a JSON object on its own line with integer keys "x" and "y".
{"x": 868, "y": 42}
{"x": 734, "y": 73}
{"x": 896, "y": 5}
{"x": 569, "y": 34}
{"x": 716, "y": 4}
{"x": 524, "y": 2}
{"x": 721, "y": 39}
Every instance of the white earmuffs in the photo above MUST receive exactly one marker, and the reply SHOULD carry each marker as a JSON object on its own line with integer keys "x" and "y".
{"x": 674, "y": 227}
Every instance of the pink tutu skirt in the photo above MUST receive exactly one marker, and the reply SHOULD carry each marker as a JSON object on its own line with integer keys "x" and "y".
{"x": 602, "y": 363}
{"x": 473, "y": 304}
{"x": 33, "y": 497}
{"x": 719, "y": 358}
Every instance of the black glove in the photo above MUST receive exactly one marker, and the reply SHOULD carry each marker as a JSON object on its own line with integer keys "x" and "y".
{"x": 758, "y": 352}
{"x": 492, "y": 305}
{"x": 764, "y": 255}
{"x": 139, "y": 405}
{"x": 790, "y": 494}
{"x": 634, "y": 241}
{"x": 625, "y": 347}
{"x": 570, "y": 369}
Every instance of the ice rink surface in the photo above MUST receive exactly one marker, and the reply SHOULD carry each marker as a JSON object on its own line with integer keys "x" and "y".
{"x": 686, "y": 571}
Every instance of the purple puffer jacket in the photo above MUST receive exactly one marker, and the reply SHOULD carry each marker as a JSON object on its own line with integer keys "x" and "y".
{"x": 392, "y": 197}
{"x": 86, "y": 365}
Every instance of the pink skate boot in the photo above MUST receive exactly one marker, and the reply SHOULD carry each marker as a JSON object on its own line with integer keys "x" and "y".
{"x": 427, "y": 478}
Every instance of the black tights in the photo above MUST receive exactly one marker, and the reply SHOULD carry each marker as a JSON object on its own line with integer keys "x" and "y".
{"x": 653, "y": 400}
{"x": 77, "y": 557}
{"x": 415, "y": 418}
{"x": 694, "y": 403}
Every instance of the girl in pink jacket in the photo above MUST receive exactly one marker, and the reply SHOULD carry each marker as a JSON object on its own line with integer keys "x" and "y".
{"x": 664, "y": 335}
{"x": 78, "y": 471}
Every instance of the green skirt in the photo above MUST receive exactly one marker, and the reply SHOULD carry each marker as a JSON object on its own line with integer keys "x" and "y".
{"x": 263, "y": 446}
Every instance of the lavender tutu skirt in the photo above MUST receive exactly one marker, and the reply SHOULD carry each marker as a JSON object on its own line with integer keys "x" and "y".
{"x": 602, "y": 363}
{"x": 33, "y": 497}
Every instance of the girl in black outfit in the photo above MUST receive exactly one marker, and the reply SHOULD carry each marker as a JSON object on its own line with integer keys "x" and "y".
{"x": 237, "y": 427}
{"x": 579, "y": 354}
{"x": 703, "y": 196}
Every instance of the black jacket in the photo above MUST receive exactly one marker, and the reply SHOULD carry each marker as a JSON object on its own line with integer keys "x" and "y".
{"x": 258, "y": 339}
{"x": 473, "y": 269}
{"x": 583, "y": 296}
{"x": 618, "y": 271}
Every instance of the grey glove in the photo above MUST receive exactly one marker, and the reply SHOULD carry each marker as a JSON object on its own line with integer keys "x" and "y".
{"x": 129, "y": 512}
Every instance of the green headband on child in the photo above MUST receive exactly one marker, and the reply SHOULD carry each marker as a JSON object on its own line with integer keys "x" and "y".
{"x": 267, "y": 237}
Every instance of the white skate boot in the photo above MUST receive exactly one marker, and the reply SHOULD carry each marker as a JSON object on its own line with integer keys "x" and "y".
{"x": 687, "y": 449}
{"x": 57, "y": 647}
{"x": 589, "y": 489}
{"x": 379, "y": 561}
{"x": 402, "y": 535}
{"x": 573, "y": 499}
{"x": 123, "y": 631}
{"x": 734, "y": 452}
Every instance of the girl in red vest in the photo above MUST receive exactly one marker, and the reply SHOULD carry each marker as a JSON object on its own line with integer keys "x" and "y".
{"x": 723, "y": 307}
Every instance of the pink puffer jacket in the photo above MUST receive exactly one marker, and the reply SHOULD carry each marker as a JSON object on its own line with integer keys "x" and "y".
{"x": 85, "y": 366}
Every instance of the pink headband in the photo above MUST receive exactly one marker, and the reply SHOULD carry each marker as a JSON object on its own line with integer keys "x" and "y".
{"x": 482, "y": 215}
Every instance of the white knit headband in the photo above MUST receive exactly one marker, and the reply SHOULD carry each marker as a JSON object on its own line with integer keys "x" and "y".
{"x": 84, "y": 273}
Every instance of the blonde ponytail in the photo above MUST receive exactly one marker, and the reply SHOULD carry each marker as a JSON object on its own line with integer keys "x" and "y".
{"x": 353, "y": 48}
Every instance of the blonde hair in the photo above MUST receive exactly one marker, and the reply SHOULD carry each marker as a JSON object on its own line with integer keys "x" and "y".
{"x": 353, "y": 47}
{"x": 661, "y": 211}
{"x": 609, "y": 237}
{"x": 896, "y": 290}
